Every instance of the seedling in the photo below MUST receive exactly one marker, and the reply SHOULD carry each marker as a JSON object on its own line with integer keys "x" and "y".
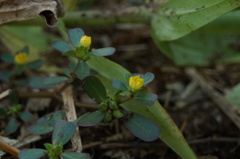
{"x": 14, "y": 112}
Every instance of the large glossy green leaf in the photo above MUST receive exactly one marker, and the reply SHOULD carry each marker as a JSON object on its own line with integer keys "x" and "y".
{"x": 233, "y": 95}
{"x": 63, "y": 132}
{"x": 143, "y": 128}
{"x": 38, "y": 82}
{"x": 170, "y": 134}
{"x": 31, "y": 153}
{"x": 201, "y": 49}
{"x": 75, "y": 155}
{"x": 94, "y": 88}
{"x": 179, "y": 17}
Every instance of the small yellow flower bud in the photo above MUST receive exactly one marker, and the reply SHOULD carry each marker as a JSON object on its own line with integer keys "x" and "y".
{"x": 136, "y": 83}
{"x": 21, "y": 58}
{"x": 85, "y": 41}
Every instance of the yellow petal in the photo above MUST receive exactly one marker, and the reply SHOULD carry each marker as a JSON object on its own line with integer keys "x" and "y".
{"x": 85, "y": 41}
{"x": 21, "y": 58}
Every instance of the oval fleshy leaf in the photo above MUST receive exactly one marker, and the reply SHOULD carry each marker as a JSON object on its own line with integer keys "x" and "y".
{"x": 7, "y": 57}
{"x": 103, "y": 51}
{"x": 148, "y": 77}
{"x": 55, "y": 80}
{"x": 90, "y": 119}
{"x": 148, "y": 98}
{"x": 75, "y": 155}
{"x": 119, "y": 85}
{"x": 94, "y": 88}
{"x": 72, "y": 66}
{"x": 38, "y": 82}
{"x": 143, "y": 128}
{"x": 40, "y": 129}
{"x": 5, "y": 75}
{"x": 12, "y": 125}
{"x": 75, "y": 35}
{"x": 51, "y": 119}
{"x": 25, "y": 115}
{"x": 82, "y": 70}
{"x": 61, "y": 46}
{"x": 63, "y": 132}
{"x": 35, "y": 64}
{"x": 67, "y": 72}
{"x": 31, "y": 153}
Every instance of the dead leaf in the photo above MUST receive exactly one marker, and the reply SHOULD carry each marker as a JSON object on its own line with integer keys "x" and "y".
{"x": 17, "y": 10}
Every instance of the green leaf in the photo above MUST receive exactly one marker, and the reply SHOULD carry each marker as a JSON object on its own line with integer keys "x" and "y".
{"x": 233, "y": 95}
{"x": 143, "y": 128}
{"x": 72, "y": 66}
{"x": 90, "y": 119}
{"x": 94, "y": 88}
{"x": 31, "y": 154}
{"x": 25, "y": 49}
{"x": 55, "y": 80}
{"x": 51, "y": 119}
{"x": 7, "y": 57}
{"x": 63, "y": 132}
{"x": 12, "y": 125}
{"x": 70, "y": 53}
{"x": 61, "y": 46}
{"x": 75, "y": 35}
{"x": 40, "y": 129}
{"x": 34, "y": 64}
{"x": 82, "y": 70}
{"x": 25, "y": 115}
{"x": 38, "y": 82}
{"x": 178, "y": 18}
{"x": 148, "y": 77}
{"x": 170, "y": 134}
{"x": 120, "y": 85}
{"x": 103, "y": 51}
{"x": 201, "y": 49}
{"x": 148, "y": 98}
{"x": 75, "y": 155}
{"x": 5, "y": 75}
{"x": 67, "y": 72}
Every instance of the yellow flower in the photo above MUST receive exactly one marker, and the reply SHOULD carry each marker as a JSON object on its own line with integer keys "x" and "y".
{"x": 85, "y": 41}
{"x": 21, "y": 58}
{"x": 136, "y": 83}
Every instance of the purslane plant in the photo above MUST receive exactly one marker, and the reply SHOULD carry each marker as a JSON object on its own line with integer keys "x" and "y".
{"x": 21, "y": 62}
{"x": 110, "y": 104}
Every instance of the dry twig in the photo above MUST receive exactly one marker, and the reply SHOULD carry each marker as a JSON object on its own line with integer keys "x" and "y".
{"x": 216, "y": 96}
{"x": 71, "y": 116}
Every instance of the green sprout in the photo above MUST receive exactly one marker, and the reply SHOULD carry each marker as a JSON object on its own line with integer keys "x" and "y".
{"x": 13, "y": 112}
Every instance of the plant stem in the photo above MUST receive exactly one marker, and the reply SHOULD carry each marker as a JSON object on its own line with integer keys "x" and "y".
{"x": 9, "y": 148}
{"x": 71, "y": 116}
{"x": 98, "y": 18}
